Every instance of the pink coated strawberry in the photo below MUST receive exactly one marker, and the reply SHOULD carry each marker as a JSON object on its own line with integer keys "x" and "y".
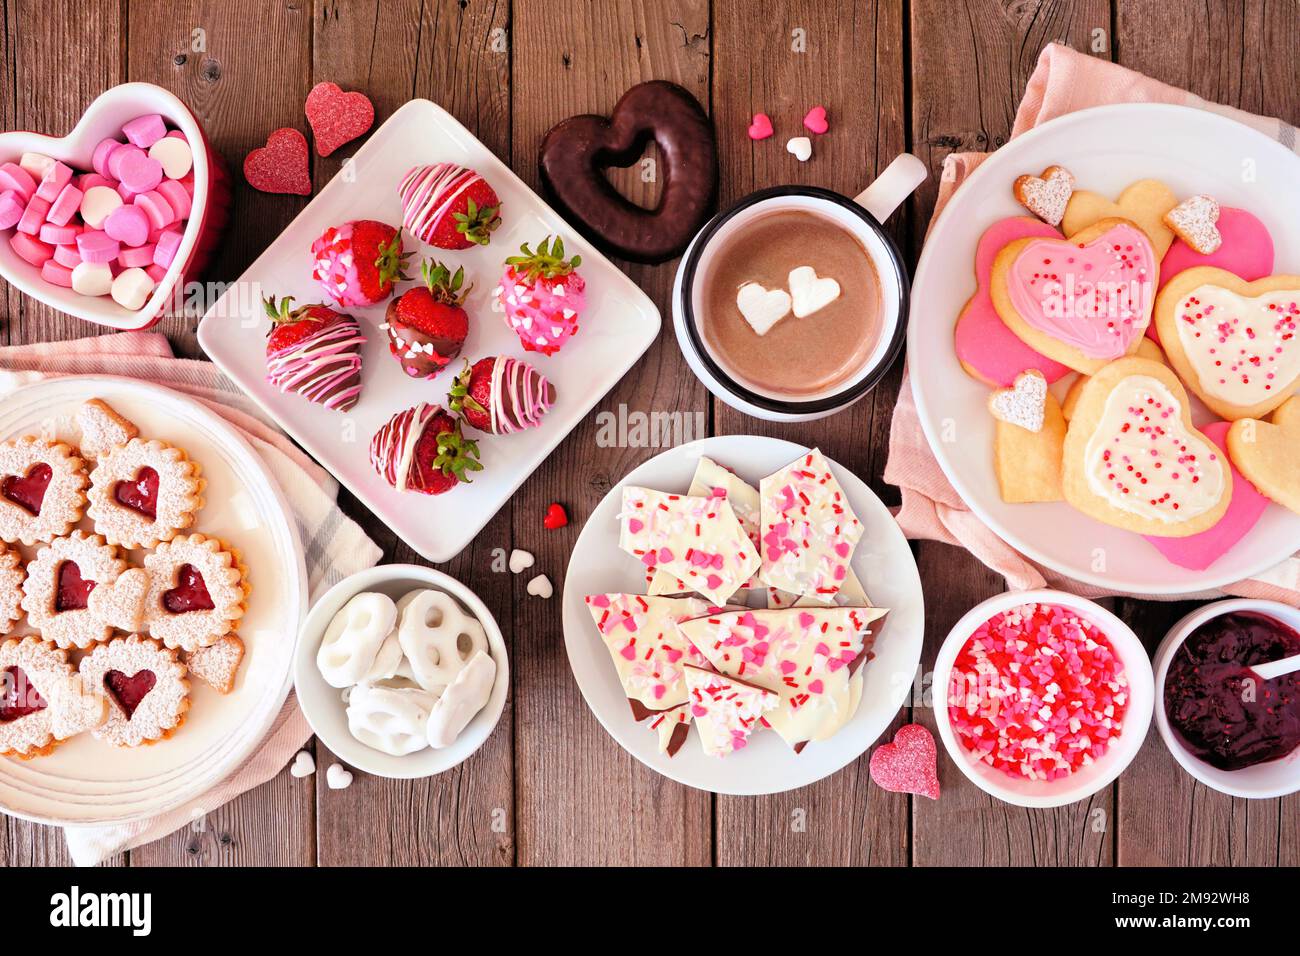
{"x": 542, "y": 295}
{"x": 356, "y": 263}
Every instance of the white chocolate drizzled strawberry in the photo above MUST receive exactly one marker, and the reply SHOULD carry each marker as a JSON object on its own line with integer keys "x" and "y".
{"x": 324, "y": 367}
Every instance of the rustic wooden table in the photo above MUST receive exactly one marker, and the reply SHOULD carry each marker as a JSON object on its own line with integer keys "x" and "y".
{"x": 930, "y": 76}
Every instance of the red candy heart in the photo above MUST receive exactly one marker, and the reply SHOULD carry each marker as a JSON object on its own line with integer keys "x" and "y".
{"x": 28, "y": 491}
{"x": 190, "y": 593}
{"x": 141, "y": 494}
{"x": 337, "y": 117}
{"x": 761, "y": 127}
{"x": 281, "y": 165}
{"x": 129, "y": 691}
{"x": 555, "y": 517}
{"x": 73, "y": 591}
{"x": 908, "y": 765}
{"x": 18, "y": 697}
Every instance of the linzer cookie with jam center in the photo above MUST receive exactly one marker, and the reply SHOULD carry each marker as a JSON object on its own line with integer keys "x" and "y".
{"x": 42, "y": 702}
{"x": 198, "y": 591}
{"x": 144, "y": 492}
{"x": 60, "y": 581}
{"x": 42, "y": 489}
{"x": 148, "y": 694}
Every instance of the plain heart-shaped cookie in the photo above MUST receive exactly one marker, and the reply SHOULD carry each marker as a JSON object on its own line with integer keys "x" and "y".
{"x": 810, "y": 292}
{"x": 1235, "y": 343}
{"x": 762, "y": 308}
{"x": 1144, "y": 202}
{"x": 1083, "y": 301}
{"x": 1268, "y": 453}
{"x": 1133, "y": 459}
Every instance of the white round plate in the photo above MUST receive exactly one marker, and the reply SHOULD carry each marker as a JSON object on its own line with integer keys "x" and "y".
{"x": 1106, "y": 148}
{"x": 88, "y": 781}
{"x": 882, "y": 560}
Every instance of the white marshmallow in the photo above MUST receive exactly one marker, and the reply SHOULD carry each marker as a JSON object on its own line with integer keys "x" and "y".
{"x": 132, "y": 288}
{"x": 97, "y": 203}
{"x": 175, "y": 156}
{"x": 92, "y": 278}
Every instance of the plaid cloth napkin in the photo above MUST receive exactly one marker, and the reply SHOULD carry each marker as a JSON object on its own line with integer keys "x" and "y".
{"x": 1064, "y": 81}
{"x": 335, "y": 546}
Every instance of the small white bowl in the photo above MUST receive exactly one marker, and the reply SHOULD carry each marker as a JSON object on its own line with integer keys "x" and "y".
{"x": 1276, "y": 778}
{"x": 1083, "y": 783}
{"x": 323, "y": 705}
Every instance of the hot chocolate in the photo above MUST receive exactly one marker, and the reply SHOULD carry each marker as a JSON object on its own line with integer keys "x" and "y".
{"x": 790, "y": 304}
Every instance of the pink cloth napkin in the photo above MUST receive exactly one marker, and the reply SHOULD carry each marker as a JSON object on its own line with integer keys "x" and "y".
{"x": 334, "y": 545}
{"x": 1064, "y": 81}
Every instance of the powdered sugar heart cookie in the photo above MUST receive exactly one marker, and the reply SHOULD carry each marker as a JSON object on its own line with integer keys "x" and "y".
{"x": 148, "y": 694}
{"x": 42, "y": 701}
{"x": 1027, "y": 461}
{"x": 1023, "y": 404}
{"x": 1133, "y": 459}
{"x": 217, "y": 664}
{"x": 11, "y": 588}
{"x": 120, "y": 603}
{"x": 1246, "y": 252}
{"x": 1268, "y": 453}
{"x": 198, "y": 591}
{"x": 102, "y": 428}
{"x": 1144, "y": 203}
{"x": 909, "y": 764}
{"x": 762, "y": 308}
{"x": 1235, "y": 343}
{"x": 1046, "y": 196}
{"x": 1195, "y": 221}
{"x": 60, "y": 580}
{"x": 144, "y": 492}
{"x": 42, "y": 490}
{"x": 1084, "y": 301}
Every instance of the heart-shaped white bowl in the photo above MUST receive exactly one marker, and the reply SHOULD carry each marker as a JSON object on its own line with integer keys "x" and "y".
{"x": 211, "y": 202}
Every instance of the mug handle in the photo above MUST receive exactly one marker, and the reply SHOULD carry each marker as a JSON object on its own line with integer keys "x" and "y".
{"x": 896, "y": 183}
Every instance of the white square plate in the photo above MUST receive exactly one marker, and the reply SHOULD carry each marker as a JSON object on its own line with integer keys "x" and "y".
{"x": 619, "y": 324}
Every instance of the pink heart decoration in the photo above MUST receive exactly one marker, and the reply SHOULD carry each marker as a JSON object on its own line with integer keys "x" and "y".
{"x": 815, "y": 120}
{"x": 337, "y": 117}
{"x": 760, "y": 127}
{"x": 909, "y": 764}
{"x": 281, "y": 165}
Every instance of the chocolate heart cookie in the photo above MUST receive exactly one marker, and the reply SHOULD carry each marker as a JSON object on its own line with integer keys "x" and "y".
{"x": 576, "y": 152}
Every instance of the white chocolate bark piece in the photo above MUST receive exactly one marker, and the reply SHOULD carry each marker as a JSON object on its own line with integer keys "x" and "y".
{"x": 852, "y": 594}
{"x": 808, "y": 529}
{"x": 672, "y": 726}
{"x": 648, "y": 651}
{"x": 699, "y": 540}
{"x": 846, "y": 705}
{"x": 711, "y": 480}
{"x": 807, "y": 656}
{"x": 726, "y": 709}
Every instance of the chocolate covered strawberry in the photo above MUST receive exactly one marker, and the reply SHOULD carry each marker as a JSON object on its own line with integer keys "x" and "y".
{"x": 358, "y": 262}
{"x": 541, "y": 294}
{"x": 314, "y": 351}
{"x": 422, "y": 449}
{"x": 427, "y": 325}
{"x": 501, "y": 395}
{"x": 449, "y": 206}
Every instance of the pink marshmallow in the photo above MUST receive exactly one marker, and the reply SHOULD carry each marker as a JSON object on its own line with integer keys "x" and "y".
{"x": 105, "y": 149}
{"x": 56, "y": 274}
{"x": 52, "y": 183}
{"x": 31, "y": 249}
{"x": 128, "y": 225}
{"x": 12, "y": 205}
{"x": 158, "y": 209}
{"x": 67, "y": 255}
{"x": 34, "y": 216}
{"x": 177, "y": 196}
{"x": 128, "y": 195}
{"x": 144, "y": 131}
{"x": 115, "y": 158}
{"x": 97, "y": 247}
{"x": 13, "y": 176}
{"x": 138, "y": 172}
{"x": 65, "y": 205}
{"x": 137, "y": 258}
{"x": 168, "y": 245}
{"x": 57, "y": 235}
{"x": 155, "y": 272}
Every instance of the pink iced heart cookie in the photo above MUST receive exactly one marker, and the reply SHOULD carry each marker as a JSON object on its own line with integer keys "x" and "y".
{"x": 1085, "y": 301}
{"x": 760, "y": 127}
{"x": 337, "y": 117}
{"x": 281, "y": 165}
{"x": 815, "y": 120}
{"x": 1046, "y": 196}
{"x": 909, "y": 764}
{"x": 1199, "y": 551}
{"x": 986, "y": 348}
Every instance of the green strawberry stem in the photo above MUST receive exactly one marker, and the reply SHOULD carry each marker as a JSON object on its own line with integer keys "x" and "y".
{"x": 283, "y": 313}
{"x": 442, "y": 284}
{"x": 391, "y": 261}
{"x": 546, "y": 262}
{"x": 459, "y": 398}
{"x": 456, "y": 454}
{"x": 476, "y": 224}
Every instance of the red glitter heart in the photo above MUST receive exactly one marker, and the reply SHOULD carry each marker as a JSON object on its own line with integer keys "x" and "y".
{"x": 18, "y": 698}
{"x": 28, "y": 491}
{"x": 337, "y": 117}
{"x": 141, "y": 494}
{"x": 190, "y": 593}
{"x": 908, "y": 765}
{"x": 73, "y": 590}
{"x": 555, "y": 517}
{"x": 129, "y": 691}
{"x": 281, "y": 165}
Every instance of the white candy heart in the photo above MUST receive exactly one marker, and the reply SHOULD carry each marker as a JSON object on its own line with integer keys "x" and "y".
{"x": 303, "y": 765}
{"x": 800, "y": 147}
{"x": 520, "y": 560}
{"x": 540, "y": 586}
{"x": 810, "y": 292}
{"x": 1023, "y": 403}
{"x": 762, "y": 308}
{"x": 338, "y": 777}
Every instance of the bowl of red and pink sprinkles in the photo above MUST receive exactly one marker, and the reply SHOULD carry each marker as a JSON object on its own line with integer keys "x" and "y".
{"x": 1042, "y": 698}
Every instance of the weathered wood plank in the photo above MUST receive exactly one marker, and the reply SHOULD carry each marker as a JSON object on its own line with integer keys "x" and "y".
{"x": 580, "y": 798}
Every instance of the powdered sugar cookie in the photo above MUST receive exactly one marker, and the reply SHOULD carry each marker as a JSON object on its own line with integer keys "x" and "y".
{"x": 144, "y": 492}
{"x": 1144, "y": 203}
{"x": 1046, "y": 196}
{"x": 146, "y": 688}
{"x": 42, "y": 490}
{"x": 1134, "y": 460}
{"x": 197, "y": 592}
{"x": 120, "y": 603}
{"x": 102, "y": 428}
{"x": 1023, "y": 403}
{"x": 217, "y": 664}
{"x": 60, "y": 580}
{"x": 42, "y": 701}
{"x": 1195, "y": 221}
{"x": 11, "y": 588}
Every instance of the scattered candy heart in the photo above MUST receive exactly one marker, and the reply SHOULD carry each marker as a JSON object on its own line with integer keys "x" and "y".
{"x": 908, "y": 765}
{"x": 338, "y": 777}
{"x": 520, "y": 560}
{"x": 815, "y": 120}
{"x": 540, "y": 586}
{"x": 760, "y": 127}
{"x": 555, "y": 517}
{"x": 303, "y": 765}
{"x": 337, "y": 117}
{"x": 800, "y": 147}
{"x": 281, "y": 165}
